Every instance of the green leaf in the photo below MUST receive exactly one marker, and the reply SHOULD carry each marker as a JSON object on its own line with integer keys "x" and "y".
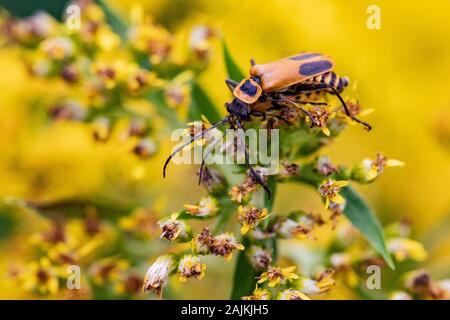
{"x": 233, "y": 70}
{"x": 113, "y": 19}
{"x": 356, "y": 210}
{"x": 201, "y": 104}
{"x": 363, "y": 218}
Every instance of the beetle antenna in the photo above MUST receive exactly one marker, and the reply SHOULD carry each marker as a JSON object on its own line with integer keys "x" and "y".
{"x": 231, "y": 84}
{"x": 336, "y": 93}
{"x": 208, "y": 152}
{"x": 252, "y": 62}
{"x": 247, "y": 162}
{"x": 197, "y": 136}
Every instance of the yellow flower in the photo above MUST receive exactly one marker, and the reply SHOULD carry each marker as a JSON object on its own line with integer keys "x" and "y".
{"x": 191, "y": 267}
{"x": 276, "y": 275}
{"x": 206, "y": 207}
{"x": 106, "y": 39}
{"x": 323, "y": 283}
{"x": 130, "y": 285}
{"x": 148, "y": 38}
{"x": 368, "y": 170}
{"x": 101, "y": 129}
{"x": 258, "y": 294}
{"x": 330, "y": 190}
{"x": 250, "y": 216}
{"x": 342, "y": 263}
{"x": 198, "y": 126}
{"x": 141, "y": 221}
{"x": 202, "y": 241}
{"x": 404, "y": 248}
{"x": 250, "y": 184}
{"x": 319, "y": 117}
{"x": 224, "y": 245}
{"x": 291, "y": 294}
{"x": 61, "y": 253}
{"x": 355, "y": 109}
{"x": 59, "y": 48}
{"x": 108, "y": 270}
{"x": 41, "y": 275}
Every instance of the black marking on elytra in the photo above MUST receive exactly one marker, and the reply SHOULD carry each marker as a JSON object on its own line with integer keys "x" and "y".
{"x": 315, "y": 67}
{"x": 304, "y": 56}
{"x": 248, "y": 88}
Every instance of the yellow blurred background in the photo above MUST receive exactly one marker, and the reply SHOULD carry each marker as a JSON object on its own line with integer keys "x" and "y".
{"x": 402, "y": 71}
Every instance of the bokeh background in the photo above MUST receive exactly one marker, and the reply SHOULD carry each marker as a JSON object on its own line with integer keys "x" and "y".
{"x": 402, "y": 72}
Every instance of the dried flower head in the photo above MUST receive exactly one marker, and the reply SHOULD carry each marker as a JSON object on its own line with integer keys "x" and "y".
{"x": 158, "y": 274}
{"x": 250, "y": 184}
{"x": 319, "y": 117}
{"x": 288, "y": 170}
{"x": 258, "y": 294}
{"x": 322, "y": 283}
{"x": 330, "y": 190}
{"x": 324, "y": 166}
{"x": 259, "y": 258}
{"x": 212, "y": 180}
{"x": 145, "y": 148}
{"x": 250, "y": 216}
{"x": 173, "y": 228}
{"x": 224, "y": 245}
{"x": 288, "y": 228}
{"x": 191, "y": 267}
{"x": 291, "y": 294}
{"x": 276, "y": 275}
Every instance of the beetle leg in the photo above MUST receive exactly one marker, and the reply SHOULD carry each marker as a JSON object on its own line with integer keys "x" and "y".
{"x": 306, "y": 112}
{"x": 250, "y": 167}
{"x": 231, "y": 84}
{"x": 314, "y": 103}
{"x": 206, "y": 155}
{"x": 366, "y": 125}
{"x": 259, "y": 114}
{"x": 196, "y": 137}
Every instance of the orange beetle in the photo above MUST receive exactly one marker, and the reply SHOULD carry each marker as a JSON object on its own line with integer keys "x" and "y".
{"x": 290, "y": 81}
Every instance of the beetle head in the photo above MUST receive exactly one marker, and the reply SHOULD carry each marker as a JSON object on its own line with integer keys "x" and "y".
{"x": 248, "y": 91}
{"x": 238, "y": 109}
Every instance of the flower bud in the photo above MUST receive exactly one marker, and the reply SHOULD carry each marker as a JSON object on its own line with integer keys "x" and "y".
{"x": 173, "y": 228}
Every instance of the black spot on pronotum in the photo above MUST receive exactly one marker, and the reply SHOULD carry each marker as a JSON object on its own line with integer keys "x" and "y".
{"x": 248, "y": 88}
{"x": 304, "y": 56}
{"x": 315, "y": 67}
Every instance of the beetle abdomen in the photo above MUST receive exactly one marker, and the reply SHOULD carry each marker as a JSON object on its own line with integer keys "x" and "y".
{"x": 314, "y": 89}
